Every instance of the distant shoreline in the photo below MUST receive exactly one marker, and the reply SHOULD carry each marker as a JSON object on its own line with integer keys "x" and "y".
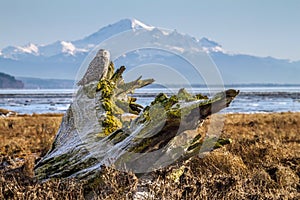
{"x": 59, "y": 84}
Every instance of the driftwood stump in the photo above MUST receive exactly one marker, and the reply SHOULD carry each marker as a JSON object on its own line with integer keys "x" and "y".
{"x": 105, "y": 126}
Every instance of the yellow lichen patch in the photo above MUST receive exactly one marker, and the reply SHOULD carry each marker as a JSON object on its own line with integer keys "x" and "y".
{"x": 111, "y": 124}
{"x": 114, "y": 100}
{"x": 176, "y": 174}
{"x": 107, "y": 88}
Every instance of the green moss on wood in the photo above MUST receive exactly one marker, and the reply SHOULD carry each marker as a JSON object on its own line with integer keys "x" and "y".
{"x": 111, "y": 124}
{"x": 115, "y": 101}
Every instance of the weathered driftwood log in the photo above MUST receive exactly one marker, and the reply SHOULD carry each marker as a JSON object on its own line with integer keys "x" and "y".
{"x": 94, "y": 131}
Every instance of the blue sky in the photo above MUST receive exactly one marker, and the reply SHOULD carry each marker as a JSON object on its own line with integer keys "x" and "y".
{"x": 256, "y": 27}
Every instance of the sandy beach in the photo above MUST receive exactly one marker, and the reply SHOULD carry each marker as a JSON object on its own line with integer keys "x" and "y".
{"x": 262, "y": 162}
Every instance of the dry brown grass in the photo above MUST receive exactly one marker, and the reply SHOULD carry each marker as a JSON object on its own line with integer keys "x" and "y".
{"x": 262, "y": 162}
{"x": 23, "y": 135}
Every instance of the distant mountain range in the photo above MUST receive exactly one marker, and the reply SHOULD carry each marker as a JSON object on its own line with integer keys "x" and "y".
{"x": 62, "y": 59}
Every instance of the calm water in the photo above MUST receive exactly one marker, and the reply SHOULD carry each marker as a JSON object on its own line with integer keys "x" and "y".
{"x": 250, "y": 99}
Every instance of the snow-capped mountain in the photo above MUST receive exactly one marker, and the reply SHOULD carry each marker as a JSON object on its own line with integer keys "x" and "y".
{"x": 88, "y": 43}
{"x": 104, "y": 33}
{"x": 58, "y": 47}
{"x": 62, "y": 59}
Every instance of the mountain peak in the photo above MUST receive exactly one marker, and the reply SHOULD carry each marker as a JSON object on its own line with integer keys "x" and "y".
{"x": 112, "y": 29}
{"x": 29, "y": 48}
{"x": 132, "y": 23}
{"x": 13, "y": 52}
{"x": 138, "y": 24}
{"x": 208, "y": 42}
{"x": 68, "y": 47}
{"x": 209, "y": 45}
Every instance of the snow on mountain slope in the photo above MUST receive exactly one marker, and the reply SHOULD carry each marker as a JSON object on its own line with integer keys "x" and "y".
{"x": 30, "y": 48}
{"x": 60, "y": 47}
{"x": 62, "y": 59}
{"x": 72, "y": 48}
{"x": 13, "y": 52}
{"x": 88, "y": 43}
{"x": 106, "y": 32}
{"x": 135, "y": 24}
{"x": 210, "y": 46}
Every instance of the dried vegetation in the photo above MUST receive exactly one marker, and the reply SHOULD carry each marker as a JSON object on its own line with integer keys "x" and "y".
{"x": 262, "y": 162}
